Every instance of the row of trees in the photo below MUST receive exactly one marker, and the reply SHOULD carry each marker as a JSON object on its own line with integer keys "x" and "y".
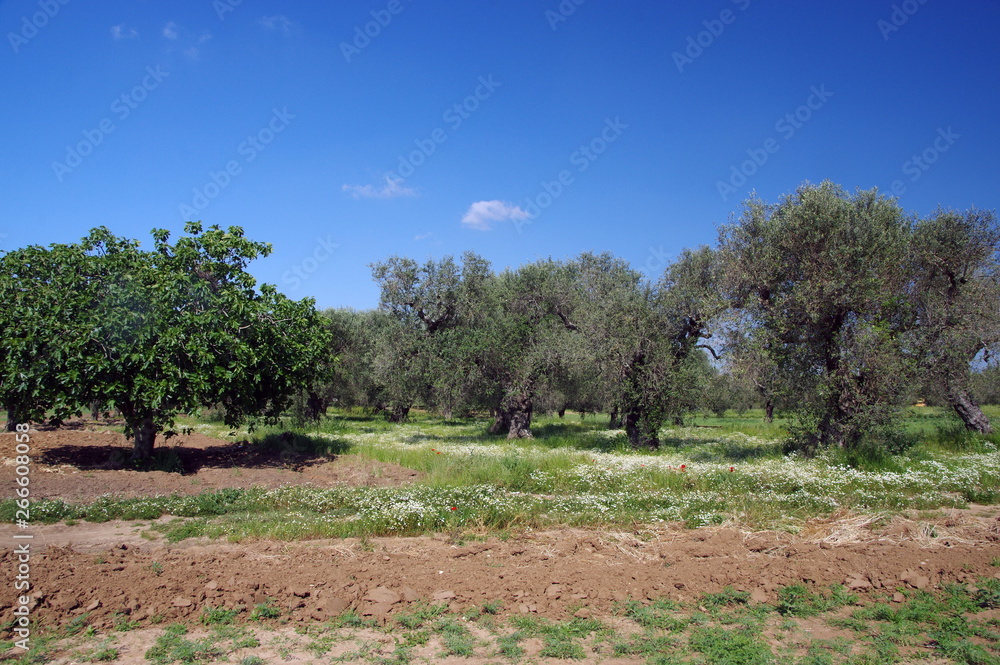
{"x": 586, "y": 333}
{"x": 837, "y": 308}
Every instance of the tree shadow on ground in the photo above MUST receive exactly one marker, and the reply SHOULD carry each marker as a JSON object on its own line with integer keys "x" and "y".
{"x": 484, "y": 437}
{"x": 275, "y": 451}
{"x": 550, "y": 435}
{"x": 725, "y": 451}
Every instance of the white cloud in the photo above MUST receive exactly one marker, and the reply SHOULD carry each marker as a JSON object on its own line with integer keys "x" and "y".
{"x": 393, "y": 188}
{"x": 423, "y": 236}
{"x": 122, "y": 31}
{"x": 481, "y": 213}
{"x": 170, "y": 30}
{"x": 192, "y": 52}
{"x": 278, "y": 22}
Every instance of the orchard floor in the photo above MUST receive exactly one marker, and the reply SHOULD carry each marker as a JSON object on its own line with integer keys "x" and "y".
{"x": 112, "y": 572}
{"x": 79, "y": 463}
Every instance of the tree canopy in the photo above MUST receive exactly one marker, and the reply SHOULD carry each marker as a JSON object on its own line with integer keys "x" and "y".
{"x": 833, "y": 307}
{"x": 153, "y": 333}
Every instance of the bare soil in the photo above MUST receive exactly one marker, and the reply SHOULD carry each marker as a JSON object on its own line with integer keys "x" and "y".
{"x": 108, "y": 571}
{"x": 81, "y": 462}
{"x": 105, "y": 569}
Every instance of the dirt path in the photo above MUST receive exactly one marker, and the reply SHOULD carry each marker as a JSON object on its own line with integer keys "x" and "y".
{"x": 107, "y": 569}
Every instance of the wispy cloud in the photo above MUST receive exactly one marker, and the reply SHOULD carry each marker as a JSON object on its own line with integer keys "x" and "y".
{"x": 423, "y": 236}
{"x": 122, "y": 31}
{"x": 184, "y": 40}
{"x": 481, "y": 214}
{"x": 393, "y": 188}
{"x": 279, "y": 23}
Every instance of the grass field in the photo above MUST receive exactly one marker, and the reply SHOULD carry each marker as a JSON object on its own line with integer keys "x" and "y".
{"x": 575, "y": 472}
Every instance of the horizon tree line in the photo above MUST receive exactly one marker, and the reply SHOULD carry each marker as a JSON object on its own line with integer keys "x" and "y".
{"x": 835, "y": 308}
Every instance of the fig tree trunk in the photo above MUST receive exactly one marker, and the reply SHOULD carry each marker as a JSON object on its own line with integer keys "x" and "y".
{"x": 145, "y": 435}
{"x": 11, "y": 420}
{"x": 968, "y": 410}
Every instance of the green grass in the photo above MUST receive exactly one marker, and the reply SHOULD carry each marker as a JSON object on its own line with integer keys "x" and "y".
{"x": 420, "y": 614}
{"x": 731, "y": 646}
{"x": 724, "y": 628}
{"x": 798, "y": 600}
{"x": 456, "y": 638}
{"x": 575, "y": 473}
{"x": 219, "y": 616}
{"x": 264, "y": 611}
{"x": 105, "y": 652}
{"x": 172, "y": 647}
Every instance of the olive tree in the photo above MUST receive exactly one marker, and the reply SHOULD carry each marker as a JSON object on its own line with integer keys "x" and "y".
{"x": 956, "y": 295}
{"x": 820, "y": 280}
{"x": 518, "y": 339}
{"x": 420, "y": 350}
{"x": 646, "y": 337}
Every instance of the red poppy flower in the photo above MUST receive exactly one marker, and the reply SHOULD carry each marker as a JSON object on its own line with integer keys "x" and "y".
{"x": 454, "y": 508}
{"x": 683, "y": 466}
{"x": 731, "y": 469}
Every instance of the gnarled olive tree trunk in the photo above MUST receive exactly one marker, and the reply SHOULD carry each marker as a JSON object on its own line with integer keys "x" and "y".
{"x": 641, "y": 432}
{"x": 968, "y": 410}
{"x": 514, "y": 415}
{"x": 399, "y": 413}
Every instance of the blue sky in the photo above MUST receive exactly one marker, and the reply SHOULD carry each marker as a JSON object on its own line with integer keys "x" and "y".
{"x": 343, "y": 133}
